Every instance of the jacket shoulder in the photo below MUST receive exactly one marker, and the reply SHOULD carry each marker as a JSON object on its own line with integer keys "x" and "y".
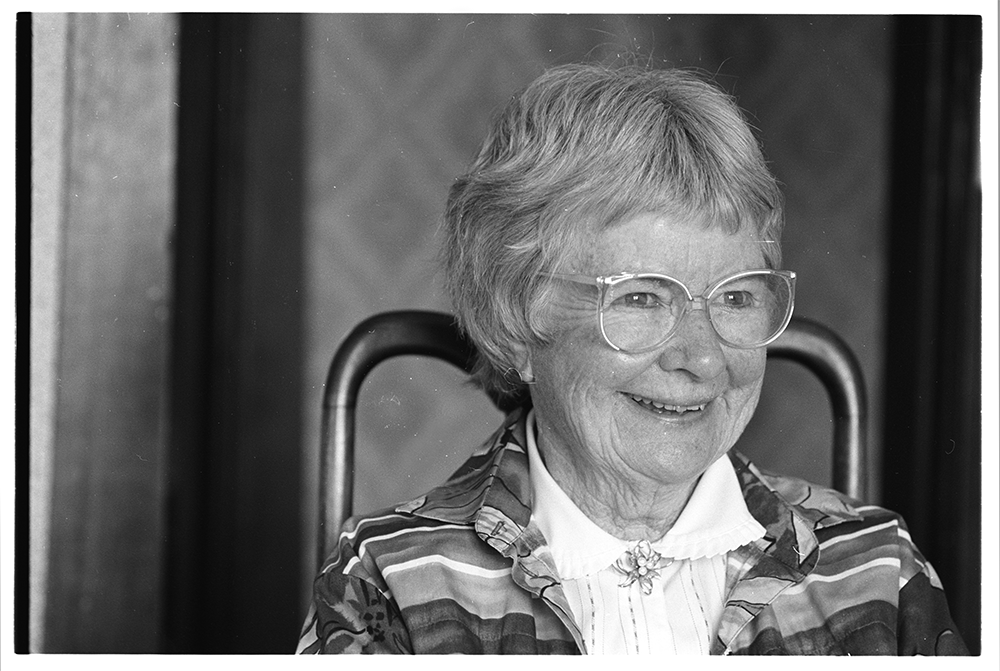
{"x": 850, "y": 532}
{"x": 823, "y": 505}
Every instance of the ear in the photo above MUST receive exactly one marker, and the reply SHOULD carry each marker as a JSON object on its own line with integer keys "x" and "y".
{"x": 522, "y": 362}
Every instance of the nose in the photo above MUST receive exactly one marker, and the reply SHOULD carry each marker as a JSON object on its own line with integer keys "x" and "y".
{"x": 694, "y": 347}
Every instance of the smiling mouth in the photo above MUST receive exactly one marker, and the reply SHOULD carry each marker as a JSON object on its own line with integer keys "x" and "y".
{"x": 665, "y": 408}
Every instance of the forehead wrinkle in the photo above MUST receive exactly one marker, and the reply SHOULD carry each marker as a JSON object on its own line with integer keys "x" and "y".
{"x": 695, "y": 262}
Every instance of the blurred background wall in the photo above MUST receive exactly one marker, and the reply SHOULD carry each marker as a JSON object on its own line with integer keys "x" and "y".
{"x": 218, "y": 199}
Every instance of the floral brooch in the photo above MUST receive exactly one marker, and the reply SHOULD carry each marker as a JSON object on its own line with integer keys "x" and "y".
{"x": 641, "y": 564}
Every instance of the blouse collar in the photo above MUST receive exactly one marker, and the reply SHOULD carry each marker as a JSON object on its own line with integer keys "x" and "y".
{"x": 714, "y": 521}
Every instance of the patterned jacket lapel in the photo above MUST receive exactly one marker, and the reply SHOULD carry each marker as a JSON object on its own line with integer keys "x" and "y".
{"x": 492, "y": 492}
{"x": 786, "y": 554}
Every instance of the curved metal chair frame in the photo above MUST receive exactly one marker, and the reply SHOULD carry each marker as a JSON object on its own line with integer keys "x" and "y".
{"x": 434, "y": 334}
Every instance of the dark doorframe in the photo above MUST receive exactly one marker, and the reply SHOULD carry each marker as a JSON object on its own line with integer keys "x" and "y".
{"x": 22, "y": 353}
{"x": 233, "y": 546}
{"x": 932, "y": 439}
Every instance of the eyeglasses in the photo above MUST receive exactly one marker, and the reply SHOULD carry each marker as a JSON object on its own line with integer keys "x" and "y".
{"x": 639, "y": 312}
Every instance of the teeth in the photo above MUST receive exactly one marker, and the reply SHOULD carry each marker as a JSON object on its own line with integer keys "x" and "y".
{"x": 679, "y": 409}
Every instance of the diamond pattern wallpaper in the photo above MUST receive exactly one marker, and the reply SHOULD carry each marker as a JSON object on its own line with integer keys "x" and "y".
{"x": 396, "y": 106}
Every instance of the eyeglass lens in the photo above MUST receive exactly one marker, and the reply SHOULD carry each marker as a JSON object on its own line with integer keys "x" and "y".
{"x": 643, "y": 312}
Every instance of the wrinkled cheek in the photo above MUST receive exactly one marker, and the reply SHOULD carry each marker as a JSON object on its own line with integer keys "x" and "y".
{"x": 747, "y": 375}
{"x": 750, "y": 404}
{"x": 748, "y": 380}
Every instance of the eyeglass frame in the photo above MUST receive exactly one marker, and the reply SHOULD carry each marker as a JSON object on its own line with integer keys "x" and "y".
{"x": 605, "y": 282}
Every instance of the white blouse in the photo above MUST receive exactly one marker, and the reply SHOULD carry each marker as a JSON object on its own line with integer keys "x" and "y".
{"x": 681, "y": 614}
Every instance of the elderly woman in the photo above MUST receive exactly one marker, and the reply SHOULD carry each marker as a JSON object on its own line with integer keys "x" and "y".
{"x": 613, "y": 254}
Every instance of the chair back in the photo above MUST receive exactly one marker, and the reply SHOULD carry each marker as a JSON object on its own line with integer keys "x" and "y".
{"x": 435, "y": 334}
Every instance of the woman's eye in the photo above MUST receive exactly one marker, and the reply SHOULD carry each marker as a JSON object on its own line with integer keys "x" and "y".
{"x": 737, "y": 299}
{"x": 639, "y": 300}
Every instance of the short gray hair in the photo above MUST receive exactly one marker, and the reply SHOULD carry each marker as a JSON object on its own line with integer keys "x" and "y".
{"x": 587, "y": 146}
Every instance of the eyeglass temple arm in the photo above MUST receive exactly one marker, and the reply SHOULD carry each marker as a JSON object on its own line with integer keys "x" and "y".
{"x": 589, "y": 280}
{"x": 832, "y": 361}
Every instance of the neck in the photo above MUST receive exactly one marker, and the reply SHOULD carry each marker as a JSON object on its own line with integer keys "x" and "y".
{"x": 626, "y": 508}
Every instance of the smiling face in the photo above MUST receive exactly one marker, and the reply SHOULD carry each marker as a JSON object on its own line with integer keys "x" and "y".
{"x": 645, "y": 421}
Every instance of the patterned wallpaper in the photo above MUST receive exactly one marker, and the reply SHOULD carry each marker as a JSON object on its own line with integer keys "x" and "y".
{"x": 396, "y": 107}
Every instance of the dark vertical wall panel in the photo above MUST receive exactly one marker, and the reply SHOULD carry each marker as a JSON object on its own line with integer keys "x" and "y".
{"x": 105, "y": 568}
{"x": 933, "y": 438}
{"x": 30, "y": 560}
{"x": 255, "y": 462}
{"x": 188, "y": 496}
{"x": 235, "y": 534}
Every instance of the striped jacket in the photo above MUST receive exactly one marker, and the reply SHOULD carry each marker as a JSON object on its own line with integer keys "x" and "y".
{"x": 463, "y": 569}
